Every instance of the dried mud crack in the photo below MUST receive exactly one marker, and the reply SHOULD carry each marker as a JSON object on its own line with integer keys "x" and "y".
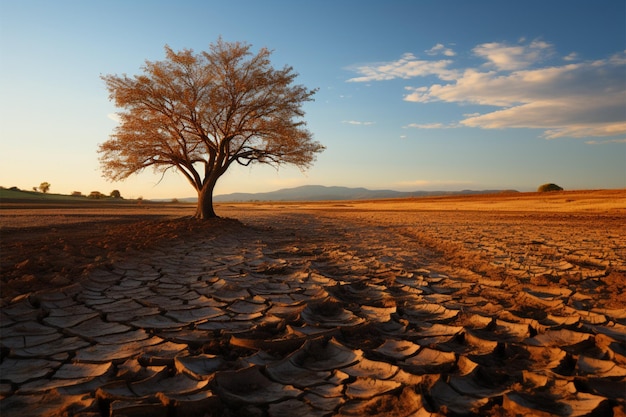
{"x": 295, "y": 312}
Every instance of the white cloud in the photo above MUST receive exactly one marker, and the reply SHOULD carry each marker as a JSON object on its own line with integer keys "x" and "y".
{"x": 507, "y": 57}
{"x": 440, "y": 49}
{"x": 356, "y": 122}
{"x": 573, "y": 100}
{"x": 408, "y": 66}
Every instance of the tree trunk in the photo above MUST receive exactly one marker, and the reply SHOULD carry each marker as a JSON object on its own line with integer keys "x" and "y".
{"x": 204, "y": 209}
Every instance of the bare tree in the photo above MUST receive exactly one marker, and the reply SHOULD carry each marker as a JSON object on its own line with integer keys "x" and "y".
{"x": 199, "y": 113}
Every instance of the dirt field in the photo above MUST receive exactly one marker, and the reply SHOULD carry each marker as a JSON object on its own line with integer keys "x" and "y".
{"x": 483, "y": 305}
{"x": 50, "y": 245}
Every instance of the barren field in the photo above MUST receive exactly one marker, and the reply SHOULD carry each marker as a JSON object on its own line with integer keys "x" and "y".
{"x": 498, "y": 305}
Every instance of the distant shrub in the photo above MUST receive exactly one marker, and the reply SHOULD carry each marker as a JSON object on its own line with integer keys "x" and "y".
{"x": 96, "y": 194}
{"x": 175, "y": 200}
{"x": 14, "y": 189}
{"x": 76, "y": 194}
{"x": 549, "y": 187}
{"x": 44, "y": 187}
{"x": 116, "y": 194}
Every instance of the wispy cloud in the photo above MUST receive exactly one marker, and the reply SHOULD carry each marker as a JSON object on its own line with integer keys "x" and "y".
{"x": 408, "y": 66}
{"x": 115, "y": 117}
{"x": 513, "y": 57}
{"x": 430, "y": 126}
{"x": 605, "y": 142}
{"x": 356, "y": 122}
{"x": 576, "y": 99}
{"x": 440, "y": 49}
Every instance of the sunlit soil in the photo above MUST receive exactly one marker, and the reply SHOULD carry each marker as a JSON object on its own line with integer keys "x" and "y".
{"x": 485, "y": 305}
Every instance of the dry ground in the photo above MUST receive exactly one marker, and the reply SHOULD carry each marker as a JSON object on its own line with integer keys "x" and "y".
{"x": 569, "y": 239}
{"x": 47, "y": 246}
{"x": 482, "y": 305}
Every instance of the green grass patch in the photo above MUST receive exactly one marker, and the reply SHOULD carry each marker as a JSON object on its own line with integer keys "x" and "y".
{"x": 7, "y": 194}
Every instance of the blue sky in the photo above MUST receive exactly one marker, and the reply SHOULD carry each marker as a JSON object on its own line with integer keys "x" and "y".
{"x": 413, "y": 95}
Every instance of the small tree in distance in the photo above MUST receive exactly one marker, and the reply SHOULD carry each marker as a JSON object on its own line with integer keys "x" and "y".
{"x": 44, "y": 187}
{"x": 116, "y": 194}
{"x": 549, "y": 187}
{"x": 200, "y": 113}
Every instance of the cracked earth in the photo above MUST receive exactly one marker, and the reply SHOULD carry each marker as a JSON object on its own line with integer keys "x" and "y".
{"x": 294, "y": 312}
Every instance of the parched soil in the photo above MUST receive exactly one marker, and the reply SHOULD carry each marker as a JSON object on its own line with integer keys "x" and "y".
{"x": 582, "y": 250}
{"x": 499, "y": 305}
{"x": 45, "y": 246}
{"x": 64, "y": 245}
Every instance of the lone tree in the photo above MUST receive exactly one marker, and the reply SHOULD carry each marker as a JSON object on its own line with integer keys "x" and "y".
{"x": 549, "y": 187}
{"x": 199, "y": 113}
{"x": 44, "y": 187}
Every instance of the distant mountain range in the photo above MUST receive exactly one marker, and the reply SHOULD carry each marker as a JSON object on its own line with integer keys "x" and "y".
{"x": 320, "y": 193}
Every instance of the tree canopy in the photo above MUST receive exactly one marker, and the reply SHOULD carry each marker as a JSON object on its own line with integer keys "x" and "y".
{"x": 549, "y": 187}
{"x": 44, "y": 187}
{"x": 199, "y": 113}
